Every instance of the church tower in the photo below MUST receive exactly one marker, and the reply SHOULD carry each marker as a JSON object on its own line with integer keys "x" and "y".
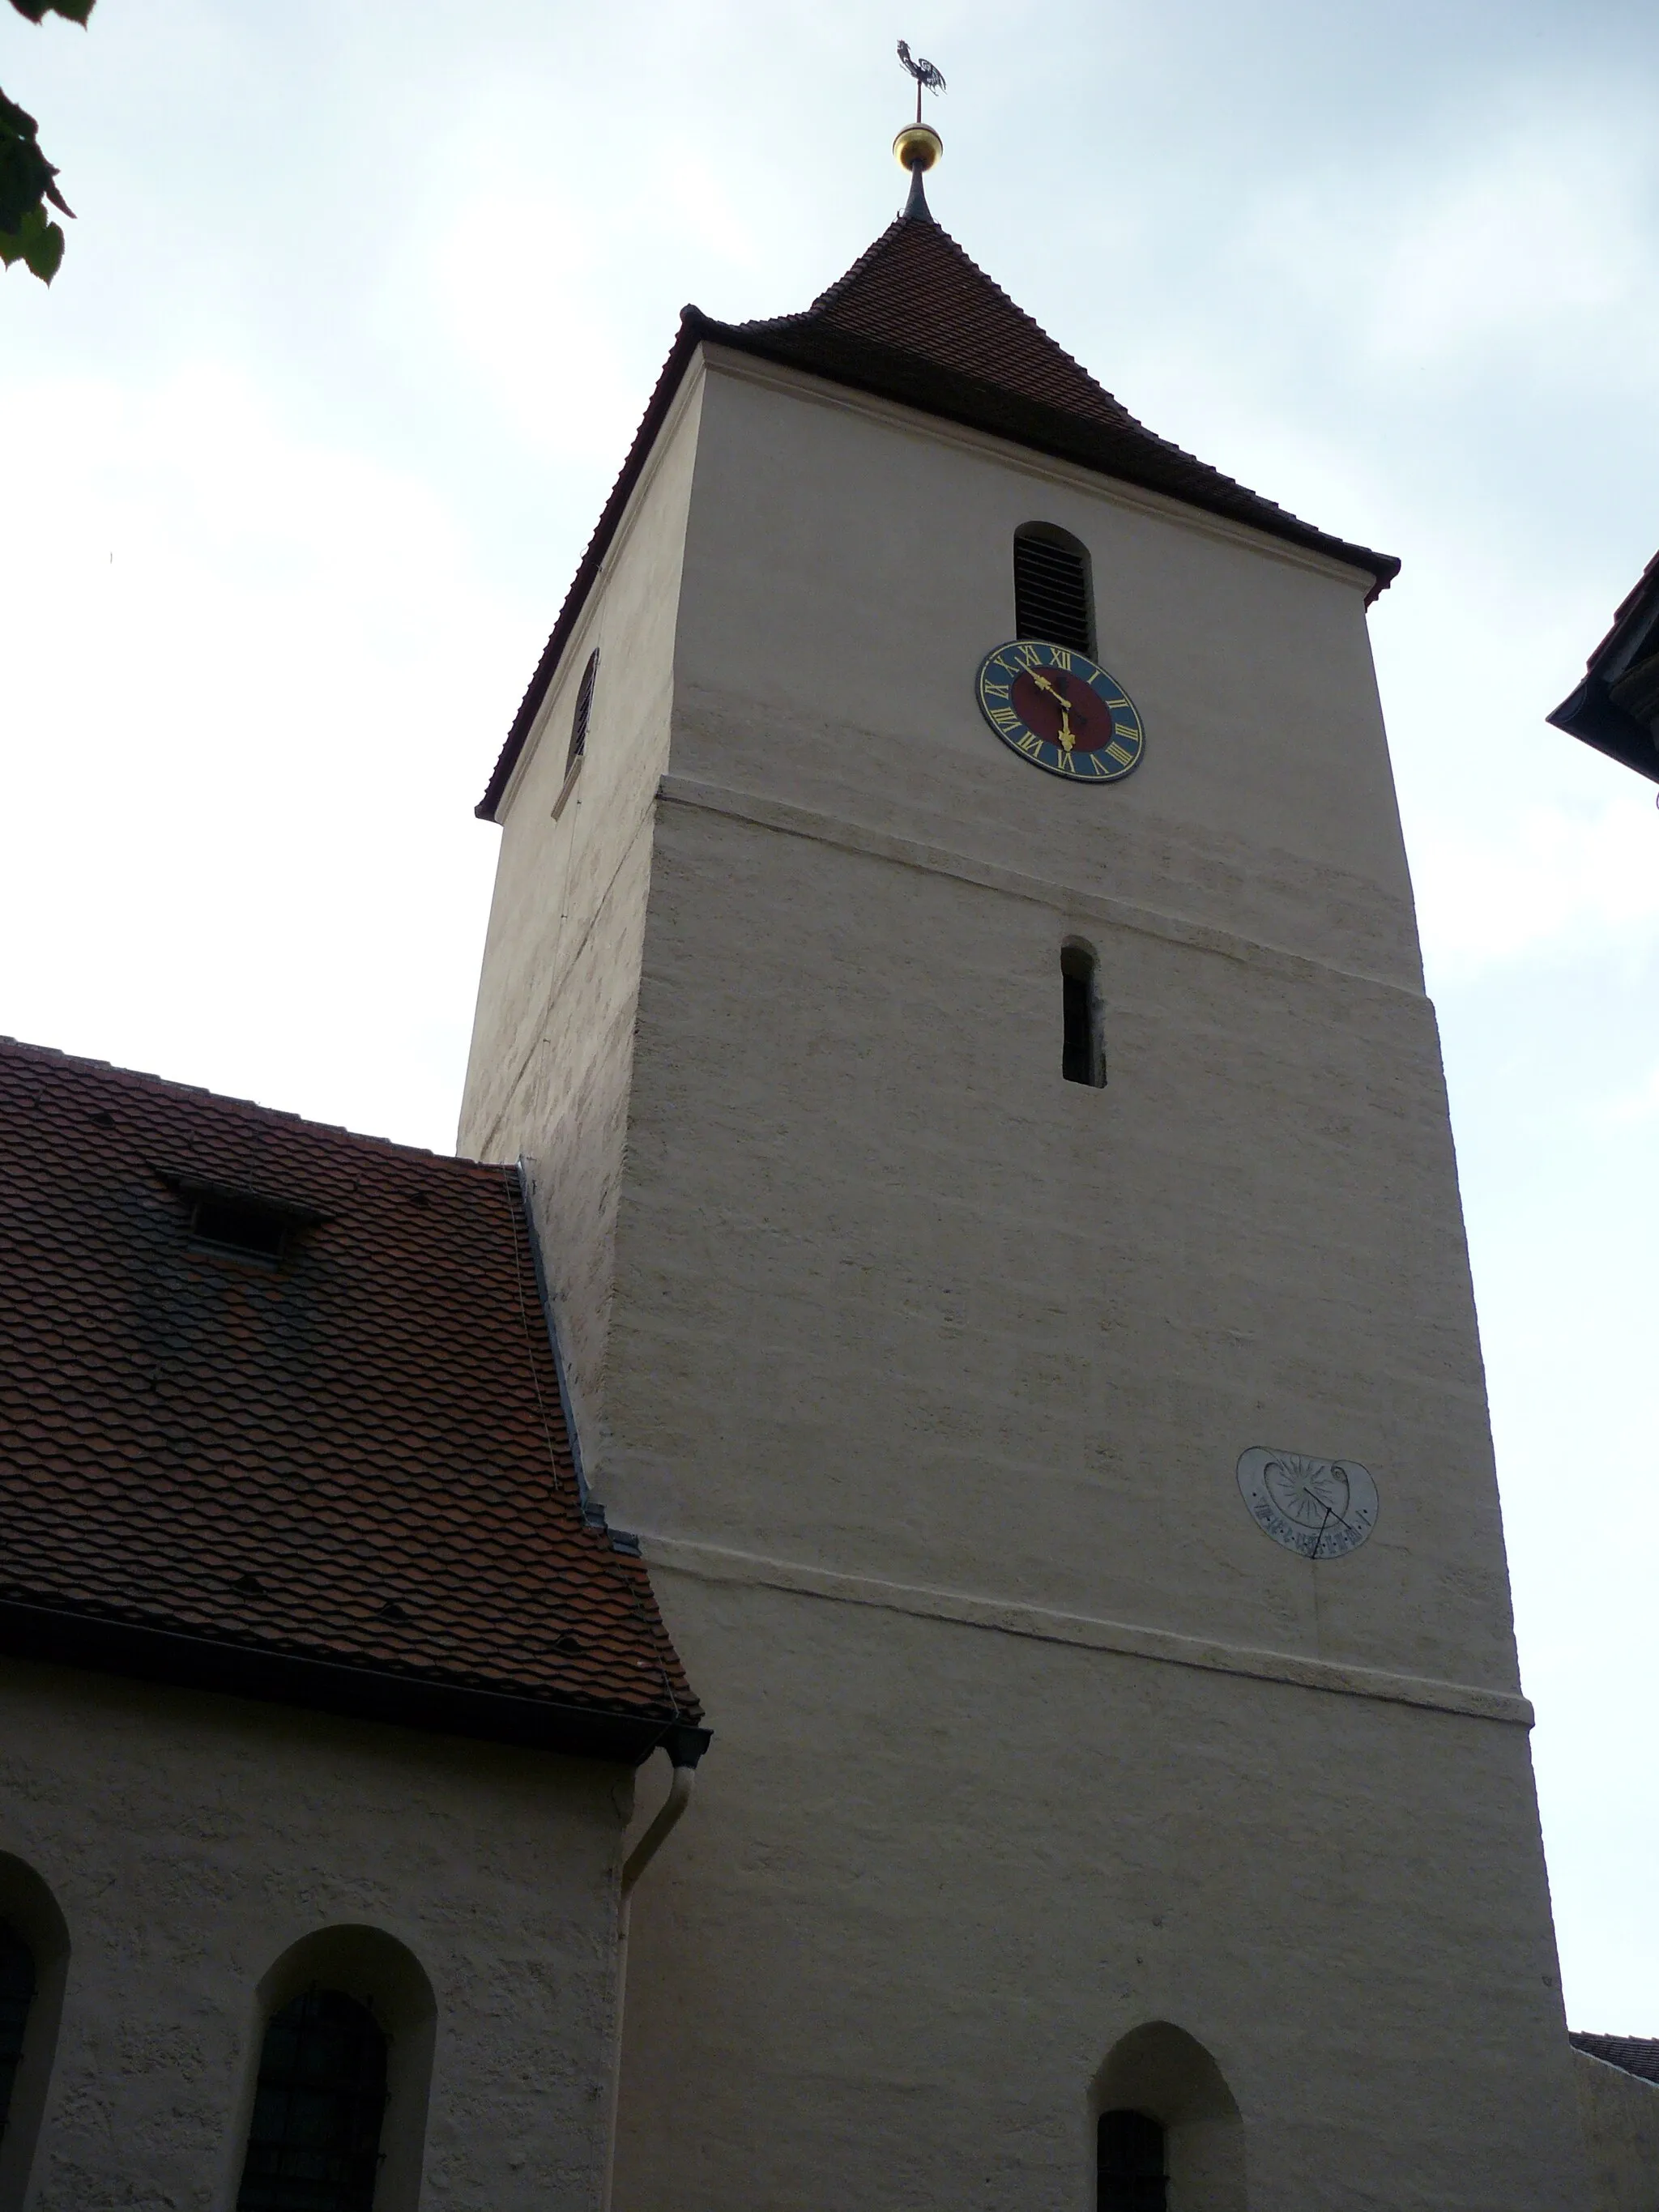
{"x": 994, "y": 1179}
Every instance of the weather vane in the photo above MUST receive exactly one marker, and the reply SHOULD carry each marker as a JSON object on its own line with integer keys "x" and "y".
{"x": 918, "y": 146}
{"x": 924, "y": 73}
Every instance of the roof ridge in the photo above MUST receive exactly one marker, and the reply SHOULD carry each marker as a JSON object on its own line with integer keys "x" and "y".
{"x": 830, "y": 292}
{"x": 19, "y": 1048}
{"x": 1030, "y": 322}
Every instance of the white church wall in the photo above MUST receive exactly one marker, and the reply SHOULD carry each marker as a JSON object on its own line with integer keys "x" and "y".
{"x": 202, "y": 1851}
{"x": 1620, "y": 2113}
{"x": 552, "y": 1040}
{"x": 928, "y": 1373}
{"x": 938, "y": 1871}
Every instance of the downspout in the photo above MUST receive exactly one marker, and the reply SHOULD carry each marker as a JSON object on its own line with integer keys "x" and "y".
{"x": 684, "y": 1746}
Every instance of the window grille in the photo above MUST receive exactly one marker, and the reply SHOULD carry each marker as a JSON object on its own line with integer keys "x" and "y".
{"x": 1082, "y": 1054}
{"x": 584, "y": 708}
{"x": 314, "y": 2142}
{"x": 1132, "y": 2170}
{"x": 1054, "y": 600}
{"x": 17, "y": 1995}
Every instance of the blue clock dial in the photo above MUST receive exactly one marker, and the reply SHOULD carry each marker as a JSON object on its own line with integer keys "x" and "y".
{"x": 1058, "y": 710}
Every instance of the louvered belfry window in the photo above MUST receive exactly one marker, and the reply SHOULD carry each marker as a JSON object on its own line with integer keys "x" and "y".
{"x": 314, "y": 2142}
{"x": 1131, "y": 2169}
{"x": 584, "y": 708}
{"x": 17, "y": 1995}
{"x": 1053, "y": 599}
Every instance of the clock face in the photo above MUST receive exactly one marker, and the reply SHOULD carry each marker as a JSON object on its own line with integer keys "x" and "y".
{"x": 1061, "y": 712}
{"x": 1318, "y": 1507}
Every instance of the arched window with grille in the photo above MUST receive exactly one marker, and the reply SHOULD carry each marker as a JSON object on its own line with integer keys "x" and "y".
{"x": 1133, "y": 2166}
{"x": 314, "y": 2144}
{"x": 16, "y": 1996}
{"x": 1054, "y": 589}
{"x": 35, "y": 1950}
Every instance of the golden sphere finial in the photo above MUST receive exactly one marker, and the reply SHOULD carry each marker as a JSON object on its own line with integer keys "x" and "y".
{"x": 918, "y": 146}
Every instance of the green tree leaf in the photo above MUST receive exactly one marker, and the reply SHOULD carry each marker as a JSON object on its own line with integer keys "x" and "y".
{"x": 36, "y": 242}
{"x": 28, "y": 179}
{"x": 76, "y": 11}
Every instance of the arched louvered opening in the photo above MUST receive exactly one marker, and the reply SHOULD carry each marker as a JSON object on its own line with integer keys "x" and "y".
{"x": 1132, "y": 2168}
{"x": 314, "y": 2141}
{"x": 1053, "y": 591}
{"x": 1083, "y": 1046}
{"x": 1167, "y": 2133}
{"x": 579, "y": 720}
{"x": 16, "y": 1996}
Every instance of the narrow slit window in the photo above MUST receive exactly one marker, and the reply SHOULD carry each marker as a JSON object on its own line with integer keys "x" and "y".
{"x": 17, "y": 1995}
{"x": 1083, "y": 1052}
{"x": 314, "y": 2141}
{"x": 1133, "y": 2169}
{"x": 1054, "y": 594}
{"x": 584, "y": 708}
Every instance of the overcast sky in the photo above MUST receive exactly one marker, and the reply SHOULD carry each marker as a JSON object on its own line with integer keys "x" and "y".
{"x": 359, "y": 314}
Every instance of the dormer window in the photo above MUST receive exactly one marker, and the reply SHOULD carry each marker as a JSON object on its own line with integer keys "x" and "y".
{"x": 241, "y": 1224}
{"x": 1054, "y": 592}
{"x": 244, "y": 1226}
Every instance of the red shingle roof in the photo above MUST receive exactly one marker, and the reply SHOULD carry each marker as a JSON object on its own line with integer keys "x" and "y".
{"x": 915, "y": 289}
{"x": 351, "y": 1463}
{"x": 914, "y": 320}
{"x": 1636, "y": 2054}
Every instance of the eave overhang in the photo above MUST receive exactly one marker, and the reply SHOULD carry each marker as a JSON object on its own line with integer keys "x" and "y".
{"x": 144, "y": 1652}
{"x": 1616, "y": 708}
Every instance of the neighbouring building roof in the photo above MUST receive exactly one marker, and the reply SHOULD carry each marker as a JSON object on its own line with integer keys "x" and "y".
{"x": 279, "y": 1414}
{"x": 914, "y": 320}
{"x": 1616, "y": 708}
{"x": 1636, "y": 2054}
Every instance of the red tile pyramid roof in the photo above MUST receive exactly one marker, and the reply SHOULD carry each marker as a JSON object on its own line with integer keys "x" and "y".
{"x": 915, "y": 289}
{"x": 340, "y": 1477}
{"x": 914, "y": 320}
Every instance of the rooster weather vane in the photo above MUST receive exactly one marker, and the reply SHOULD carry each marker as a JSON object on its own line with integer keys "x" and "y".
{"x": 924, "y": 73}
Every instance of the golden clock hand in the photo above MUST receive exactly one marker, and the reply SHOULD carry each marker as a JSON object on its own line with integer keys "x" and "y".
{"x": 1067, "y": 736}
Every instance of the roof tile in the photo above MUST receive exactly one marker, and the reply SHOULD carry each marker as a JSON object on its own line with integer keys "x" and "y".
{"x": 357, "y": 1455}
{"x": 1636, "y": 2054}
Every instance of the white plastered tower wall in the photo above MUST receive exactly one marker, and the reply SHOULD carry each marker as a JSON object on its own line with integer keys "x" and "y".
{"x": 552, "y": 1042}
{"x": 924, "y": 1373}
